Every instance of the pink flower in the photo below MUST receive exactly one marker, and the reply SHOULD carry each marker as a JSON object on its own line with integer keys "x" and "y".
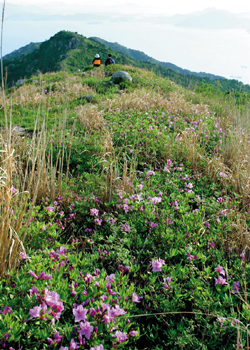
{"x": 13, "y": 190}
{"x": 62, "y": 251}
{"x": 38, "y": 311}
{"x": 157, "y": 264}
{"x": 167, "y": 284}
{"x": 110, "y": 278}
{"x": 136, "y": 298}
{"x": 64, "y": 348}
{"x": 80, "y": 313}
{"x": 98, "y": 222}
{"x": 44, "y": 276}
{"x": 33, "y": 274}
{"x": 50, "y": 209}
{"x": 191, "y": 257}
{"x": 156, "y": 200}
{"x": 169, "y": 162}
{"x": 133, "y": 333}
{"x": 94, "y": 212}
{"x": 152, "y": 224}
{"x": 121, "y": 337}
{"x": 222, "y": 174}
{"x": 43, "y": 228}
{"x": 242, "y": 255}
{"x": 220, "y": 280}
{"x": 33, "y": 291}
{"x": 220, "y": 270}
{"x": 73, "y": 344}
{"x": 53, "y": 299}
{"x": 7, "y": 310}
{"x": 86, "y": 329}
{"x": 140, "y": 187}
{"x": 150, "y": 172}
{"x": 98, "y": 347}
{"x": 24, "y": 256}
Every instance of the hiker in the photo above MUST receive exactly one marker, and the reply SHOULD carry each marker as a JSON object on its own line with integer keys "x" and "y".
{"x": 97, "y": 61}
{"x": 109, "y": 60}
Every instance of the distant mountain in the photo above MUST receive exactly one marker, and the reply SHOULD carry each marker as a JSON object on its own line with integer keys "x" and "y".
{"x": 22, "y": 51}
{"x": 68, "y": 51}
{"x": 141, "y": 56}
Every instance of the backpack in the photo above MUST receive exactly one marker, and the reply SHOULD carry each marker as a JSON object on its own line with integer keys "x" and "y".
{"x": 109, "y": 61}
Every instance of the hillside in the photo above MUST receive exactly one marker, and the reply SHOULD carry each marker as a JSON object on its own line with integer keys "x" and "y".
{"x": 124, "y": 211}
{"x": 22, "y": 51}
{"x": 67, "y": 51}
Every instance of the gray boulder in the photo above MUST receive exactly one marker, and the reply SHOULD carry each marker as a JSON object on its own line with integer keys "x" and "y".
{"x": 87, "y": 98}
{"x": 18, "y": 129}
{"x": 120, "y": 76}
{"x": 20, "y": 82}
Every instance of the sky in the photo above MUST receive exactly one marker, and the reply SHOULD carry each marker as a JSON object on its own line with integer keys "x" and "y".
{"x": 156, "y": 6}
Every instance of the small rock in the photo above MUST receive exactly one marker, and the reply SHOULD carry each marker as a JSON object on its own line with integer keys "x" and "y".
{"x": 78, "y": 70}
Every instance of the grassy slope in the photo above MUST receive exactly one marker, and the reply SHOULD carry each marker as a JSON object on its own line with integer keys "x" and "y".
{"x": 148, "y": 157}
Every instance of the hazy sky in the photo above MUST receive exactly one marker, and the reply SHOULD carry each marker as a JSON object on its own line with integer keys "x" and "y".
{"x": 170, "y": 7}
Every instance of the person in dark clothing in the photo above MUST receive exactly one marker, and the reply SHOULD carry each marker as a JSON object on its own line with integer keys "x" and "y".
{"x": 109, "y": 60}
{"x": 97, "y": 61}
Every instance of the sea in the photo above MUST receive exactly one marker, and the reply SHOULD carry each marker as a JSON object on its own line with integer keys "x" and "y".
{"x": 224, "y": 52}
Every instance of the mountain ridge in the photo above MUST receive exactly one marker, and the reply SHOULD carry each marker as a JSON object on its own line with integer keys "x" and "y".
{"x": 71, "y": 52}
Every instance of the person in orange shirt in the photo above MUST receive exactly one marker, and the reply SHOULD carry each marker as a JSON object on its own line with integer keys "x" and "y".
{"x": 97, "y": 61}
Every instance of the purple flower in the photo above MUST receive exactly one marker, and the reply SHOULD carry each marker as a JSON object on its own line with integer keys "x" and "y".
{"x": 236, "y": 287}
{"x": 191, "y": 257}
{"x": 220, "y": 280}
{"x": 222, "y": 174}
{"x": 242, "y": 255}
{"x": 33, "y": 274}
{"x": 167, "y": 284}
{"x": 33, "y": 291}
{"x": 235, "y": 321}
{"x": 157, "y": 265}
{"x": 98, "y": 347}
{"x": 121, "y": 337}
{"x": 44, "y": 276}
{"x": 7, "y": 310}
{"x": 152, "y": 224}
{"x": 86, "y": 329}
{"x": 53, "y": 299}
{"x": 98, "y": 222}
{"x": 64, "y": 348}
{"x": 50, "y": 209}
{"x": 110, "y": 278}
{"x": 136, "y": 298}
{"x": 80, "y": 313}
{"x": 24, "y": 256}
{"x": 73, "y": 344}
{"x": 133, "y": 333}
{"x": 220, "y": 270}
{"x": 94, "y": 212}
{"x": 62, "y": 251}
{"x": 38, "y": 311}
